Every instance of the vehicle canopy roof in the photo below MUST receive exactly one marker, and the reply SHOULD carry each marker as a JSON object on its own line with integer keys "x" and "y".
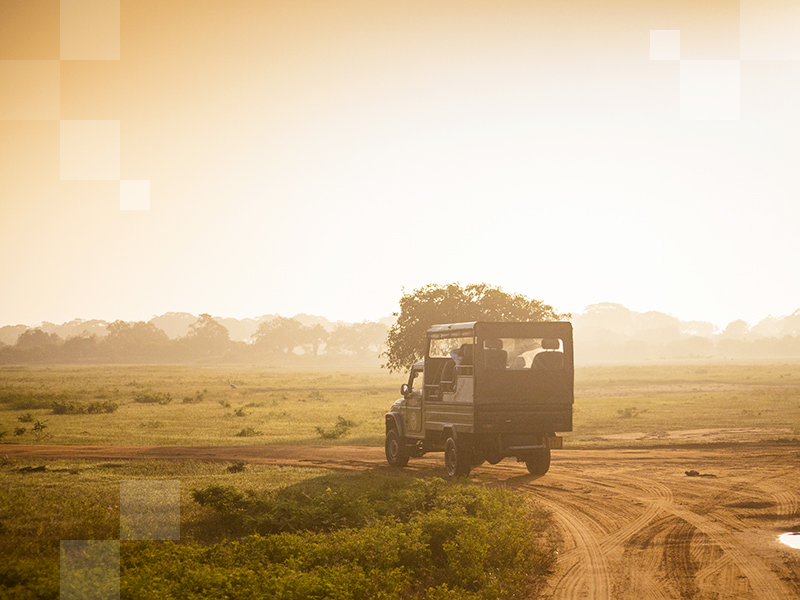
{"x": 501, "y": 329}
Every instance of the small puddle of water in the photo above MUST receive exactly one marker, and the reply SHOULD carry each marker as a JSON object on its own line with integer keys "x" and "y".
{"x": 791, "y": 539}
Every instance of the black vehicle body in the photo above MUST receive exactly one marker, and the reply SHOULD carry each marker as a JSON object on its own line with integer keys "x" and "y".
{"x": 487, "y": 391}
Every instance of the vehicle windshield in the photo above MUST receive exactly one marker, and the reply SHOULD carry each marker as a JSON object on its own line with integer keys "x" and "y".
{"x": 457, "y": 348}
{"x": 416, "y": 381}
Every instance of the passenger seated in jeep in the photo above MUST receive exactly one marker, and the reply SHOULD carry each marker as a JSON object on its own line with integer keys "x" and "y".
{"x": 462, "y": 355}
{"x": 551, "y": 358}
{"x": 494, "y": 356}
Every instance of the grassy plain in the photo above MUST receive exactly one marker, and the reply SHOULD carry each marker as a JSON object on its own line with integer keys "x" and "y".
{"x": 658, "y": 404}
{"x": 271, "y": 532}
{"x": 196, "y": 405}
{"x": 191, "y": 405}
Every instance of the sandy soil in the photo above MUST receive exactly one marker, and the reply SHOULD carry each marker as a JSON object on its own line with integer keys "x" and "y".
{"x": 631, "y": 524}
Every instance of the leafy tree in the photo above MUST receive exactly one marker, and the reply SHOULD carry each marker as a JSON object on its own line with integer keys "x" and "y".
{"x": 35, "y": 345}
{"x": 452, "y": 303}
{"x": 136, "y": 340}
{"x": 736, "y": 330}
{"x": 279, "y": 334}
{"x": 358, "y": 339}
{"x": 36, "y": 338}
{"x": 79, "y": 347}
{"x": 313, "y": 337}
{"x": 207, "y": 337}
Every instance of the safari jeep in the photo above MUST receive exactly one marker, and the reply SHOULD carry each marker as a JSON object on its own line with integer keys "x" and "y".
{"x": 486, "y": 391}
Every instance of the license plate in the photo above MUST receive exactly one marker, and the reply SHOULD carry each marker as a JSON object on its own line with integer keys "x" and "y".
{"x": 556, "y": 442}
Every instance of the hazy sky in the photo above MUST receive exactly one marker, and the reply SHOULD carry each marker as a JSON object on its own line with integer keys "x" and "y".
{"x": 318, "y": 156}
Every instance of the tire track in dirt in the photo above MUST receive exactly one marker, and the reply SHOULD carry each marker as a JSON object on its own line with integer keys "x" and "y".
{"x": 678, "y": 559}
{"x": 641, "y": 561}
{"x": 786, "y": 502}
{"x": 674, "y": 544}
{"x": 588, "y": 574}
{"x": 599, "y": 540}
{"x": 765, "y": 584}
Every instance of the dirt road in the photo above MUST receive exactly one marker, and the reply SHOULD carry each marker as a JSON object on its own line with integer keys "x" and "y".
{"x": 632, "y": 524}
{"x": 635, "y": 526}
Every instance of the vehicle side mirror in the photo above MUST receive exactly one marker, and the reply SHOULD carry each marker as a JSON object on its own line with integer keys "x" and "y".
{"x": 404, "y": 389}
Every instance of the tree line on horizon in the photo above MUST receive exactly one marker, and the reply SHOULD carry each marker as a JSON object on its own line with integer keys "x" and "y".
{"x": 279, "y": 339}
{"x": 603, "y": 332}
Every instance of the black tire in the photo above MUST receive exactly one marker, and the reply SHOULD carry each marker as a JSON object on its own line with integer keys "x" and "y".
{"x": 493, "y": 455}
{"x": 396, "y": 451}
{"x": 538, "y": 462}
{"x": 456, "y": 458}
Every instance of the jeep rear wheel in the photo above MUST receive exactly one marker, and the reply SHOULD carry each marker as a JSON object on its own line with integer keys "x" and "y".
{"x": 456, "y": 458}
{"x": 538, "y": 462}
{"x": 396, "y": 451}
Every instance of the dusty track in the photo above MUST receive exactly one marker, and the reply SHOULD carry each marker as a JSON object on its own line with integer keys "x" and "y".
{"x": 632, "y": 525}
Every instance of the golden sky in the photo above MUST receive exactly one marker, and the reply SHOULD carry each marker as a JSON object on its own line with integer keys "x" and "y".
{"x": 319, "y": 156}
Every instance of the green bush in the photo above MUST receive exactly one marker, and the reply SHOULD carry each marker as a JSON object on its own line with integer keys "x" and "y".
{"x": 349, "y": 537}
{"x": 28, "y": 399}
{"x": 345, "y": 536}
{"x": 151, "y": 397}
{"x": 79, "y": 408}
{"x": 106, "y": 406}
{"x": 249, "y": 432}
{"x": 341, "y": 428}
{"x": 628, "y": 413}
{"x": 196, "y": 399}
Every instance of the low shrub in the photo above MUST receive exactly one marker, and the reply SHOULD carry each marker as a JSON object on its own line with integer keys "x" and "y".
{"x": 29, "y": 399}
{"x": 25, "y": 418}
{"x": 106, "y": 406}
{"x": 79, "y": 408}
{"x": 628, "y": 413}
{"x": 341, "y": 428}
{"x": 249, "y": 432}
{"x": 357, "y": 537}
{"x": 39, "y": 431}
{"x": 151, "y": 397}
{"x": 196, "y": 399}
{"x": 68, "y": 408}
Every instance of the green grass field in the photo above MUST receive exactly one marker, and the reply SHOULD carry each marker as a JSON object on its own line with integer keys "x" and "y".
{"x": 653, "y": 404}
{"x": 188, "y": 405}
{"x": 180, "y": 405}
{"x": 263, "y": 531}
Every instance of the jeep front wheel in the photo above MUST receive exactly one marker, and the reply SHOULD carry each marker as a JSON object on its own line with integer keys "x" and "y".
{"x": 456, "y": 459}
{"x": 396, "y": 451}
